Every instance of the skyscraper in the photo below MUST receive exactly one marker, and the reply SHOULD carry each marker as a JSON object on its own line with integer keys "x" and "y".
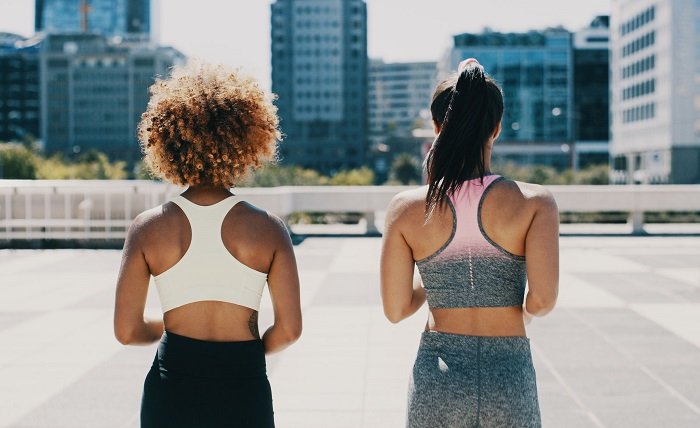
{"x": 19, "y": 87}
{"x": 399, "y": 103}
{"x": 319, "y": 72}
{"x": 592, "y": 92}
{"x": 656, "y": 93}
{"x": 93, "y": 92}
{"x": 126, "y": 18}
{"x": 398, "y": 93}
{"x": 536, "y": 74}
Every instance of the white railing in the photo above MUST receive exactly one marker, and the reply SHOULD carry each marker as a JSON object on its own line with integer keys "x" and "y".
{"x": 93, "y": 210}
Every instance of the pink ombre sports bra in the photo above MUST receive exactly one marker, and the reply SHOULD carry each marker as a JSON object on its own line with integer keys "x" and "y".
{"x": 470, "y": 270}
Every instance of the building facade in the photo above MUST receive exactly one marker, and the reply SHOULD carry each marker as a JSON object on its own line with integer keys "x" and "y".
{"x": 656, "y": 93}
{"x": 592, "y": 93}
{"x": 399, "y": 103}
{"x": 19, "y": 88}
{"x": 399, "y": 96}
{"x": 93, "y": 92}
{"x": 125, "y": 18}
{"x": 535, "y": 71}
{"x": 319, "y": 72}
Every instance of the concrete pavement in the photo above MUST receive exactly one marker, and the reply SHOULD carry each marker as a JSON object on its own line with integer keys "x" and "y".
{"x": 622, "y": 349}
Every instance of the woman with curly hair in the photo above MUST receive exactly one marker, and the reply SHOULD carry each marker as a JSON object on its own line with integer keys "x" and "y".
{"x": 476, "y": 238}
{"x": 210, "y": 254}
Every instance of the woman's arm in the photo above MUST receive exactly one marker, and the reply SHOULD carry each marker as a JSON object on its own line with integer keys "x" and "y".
{"x": 283, "y": 283}
{"x": 130, "y": 326}
{"x": 402, "y": 296}
{"x": 542, "y": 257}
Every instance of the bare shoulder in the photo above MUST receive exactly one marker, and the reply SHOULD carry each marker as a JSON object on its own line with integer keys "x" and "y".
{"x": 538, "y": 195}
{"x": 149, "y": 225}
{"x": 261, "y": 222}
{"x": 533, "y": 198}
{"x": 407, "y": 204}
{"x": 150, "y": 220}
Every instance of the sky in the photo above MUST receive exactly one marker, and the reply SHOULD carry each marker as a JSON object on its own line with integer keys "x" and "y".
{"x": 237, "y": 32}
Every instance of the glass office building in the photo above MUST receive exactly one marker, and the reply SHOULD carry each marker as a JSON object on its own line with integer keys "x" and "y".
{"x": 592, "y": 93}
{"x": 19, "y": 87}
{"x": 126, "y": 18}
{"x": 535, "y": 70}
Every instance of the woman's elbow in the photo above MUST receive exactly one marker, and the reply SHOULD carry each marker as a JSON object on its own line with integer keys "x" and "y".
{"x": 541, "y": 304}
{"x": 124, "y": 335}
{"x": 292, "y": 332}
{"x": 394, "y": 315}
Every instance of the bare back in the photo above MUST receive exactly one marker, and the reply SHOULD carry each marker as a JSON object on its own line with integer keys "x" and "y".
{"x": 507, "y": 213}
{"x": 250, "y": 235}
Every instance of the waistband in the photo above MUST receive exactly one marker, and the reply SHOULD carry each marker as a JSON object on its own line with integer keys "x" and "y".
{"x": 467, "y": 345}
{"x": 208, "y": 359}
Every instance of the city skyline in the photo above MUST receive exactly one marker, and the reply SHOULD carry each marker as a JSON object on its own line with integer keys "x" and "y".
{"x": 238, "y": 39}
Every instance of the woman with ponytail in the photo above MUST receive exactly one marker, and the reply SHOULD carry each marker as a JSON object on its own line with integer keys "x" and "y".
{"x": 477, "y": 238}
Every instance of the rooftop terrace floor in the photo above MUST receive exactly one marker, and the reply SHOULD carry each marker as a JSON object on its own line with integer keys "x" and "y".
{"x": 622, "y": 348}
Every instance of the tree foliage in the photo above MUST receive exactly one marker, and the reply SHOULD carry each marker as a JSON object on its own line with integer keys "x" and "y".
{"x": 92, "y": 165}
{"x": 17, "y": 162}
{"x": 353, "y": 177}
{"x": 406, "y": 169}
{"x": 540, "y": 174}
{"x": 20, "y": 161}
{"x": 276, "y": 175}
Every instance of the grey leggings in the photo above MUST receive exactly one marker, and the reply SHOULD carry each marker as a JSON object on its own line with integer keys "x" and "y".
{"x": 473, "y": 381}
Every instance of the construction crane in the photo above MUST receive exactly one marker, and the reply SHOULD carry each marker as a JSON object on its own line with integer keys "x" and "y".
{"x": 84, "y": 11}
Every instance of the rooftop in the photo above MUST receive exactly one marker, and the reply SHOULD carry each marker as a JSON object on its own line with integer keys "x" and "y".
{"x": 622, "y": 348}
{"x": 497, "y": 39}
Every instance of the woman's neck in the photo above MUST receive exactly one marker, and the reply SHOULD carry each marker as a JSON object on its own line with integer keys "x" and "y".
{"x": 205, "y": 193}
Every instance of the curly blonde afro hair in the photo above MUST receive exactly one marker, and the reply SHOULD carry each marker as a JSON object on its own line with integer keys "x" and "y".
{"x": 208, "y": 125}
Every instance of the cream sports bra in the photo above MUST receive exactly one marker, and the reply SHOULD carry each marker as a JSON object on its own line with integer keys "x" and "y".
{"x": 207, "y": 270}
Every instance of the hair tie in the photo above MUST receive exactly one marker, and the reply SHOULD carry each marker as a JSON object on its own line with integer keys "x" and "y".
{"x": 465, "y": 63}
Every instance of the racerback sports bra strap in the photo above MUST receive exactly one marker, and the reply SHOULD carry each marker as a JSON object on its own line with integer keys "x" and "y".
{"x": 207, "y": 270}
{"x": 470, "y": 269}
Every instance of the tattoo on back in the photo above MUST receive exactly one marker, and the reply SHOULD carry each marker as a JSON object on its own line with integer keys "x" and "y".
{"x": 253, "y": 325}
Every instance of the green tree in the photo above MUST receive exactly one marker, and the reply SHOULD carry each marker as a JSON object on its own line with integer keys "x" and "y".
{"x": 540, "y": 174}
{"x": 93, "y": 165}
{"x": 406, "y": 169}
{"x": 275, "y": 175}
{"x": 17, "y": 162}
{"x": 96, "y": 165}
{"x": 141, "y": 172}
{"x": 353, "y": 177}
{"x": 594, "y": 174}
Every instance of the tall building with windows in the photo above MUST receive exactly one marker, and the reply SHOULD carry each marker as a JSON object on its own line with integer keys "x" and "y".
{"x": 125, "y": 18}
{"x": 19, "y": 87}
{"x": 535, "y": 70}
{"x": 592, "y": 93}
{"x": 319, "y": 72}
{"x": 399, "y": 103}
{"x": 399, "y": 95}
{"x": 656, "y": 92}
{"x": 93, "y": 92}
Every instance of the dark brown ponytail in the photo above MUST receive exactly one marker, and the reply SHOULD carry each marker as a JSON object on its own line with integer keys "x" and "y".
{"x": 474, "y": 110}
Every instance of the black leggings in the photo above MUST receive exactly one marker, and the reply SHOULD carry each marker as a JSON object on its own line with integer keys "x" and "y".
{"x": 196, "y": 383}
